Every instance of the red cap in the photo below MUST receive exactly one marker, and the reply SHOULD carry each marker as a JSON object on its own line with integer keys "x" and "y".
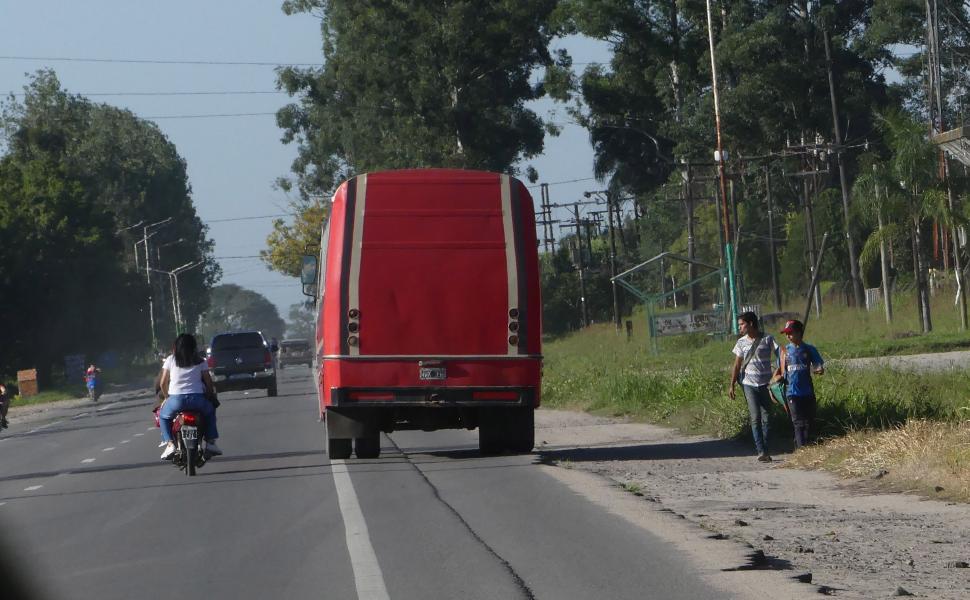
{"x": 793, "y": 326}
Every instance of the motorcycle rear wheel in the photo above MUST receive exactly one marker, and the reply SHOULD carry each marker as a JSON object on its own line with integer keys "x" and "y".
{"x": 190, "y": 458}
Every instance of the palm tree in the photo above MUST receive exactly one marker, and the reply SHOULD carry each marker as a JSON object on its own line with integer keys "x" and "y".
{"x": 878, "y": 201}
{"x": 913, "y": 165}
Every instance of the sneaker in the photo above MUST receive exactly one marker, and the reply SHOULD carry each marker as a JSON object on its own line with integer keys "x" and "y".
{"x": 212, "y": 449}
{"x": 162, "y": 444}
{"x": 764, "y": 458}
{"x": 169, "y": 451}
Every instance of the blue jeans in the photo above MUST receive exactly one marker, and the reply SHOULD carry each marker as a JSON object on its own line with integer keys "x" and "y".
{"x": 191, "y": 402}
{"x": 759, "y": 406}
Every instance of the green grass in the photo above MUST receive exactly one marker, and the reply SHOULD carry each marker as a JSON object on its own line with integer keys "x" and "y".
{"x": 55, "y": 395}
{"x": 685, "y": 386}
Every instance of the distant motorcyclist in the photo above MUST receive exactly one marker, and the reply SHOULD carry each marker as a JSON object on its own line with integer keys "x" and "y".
{"x": 186, "y": 381}
{"x": 91, "y": 376}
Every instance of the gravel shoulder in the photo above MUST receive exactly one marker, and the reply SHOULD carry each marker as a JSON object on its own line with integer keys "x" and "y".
{"x": 853, "y": 540}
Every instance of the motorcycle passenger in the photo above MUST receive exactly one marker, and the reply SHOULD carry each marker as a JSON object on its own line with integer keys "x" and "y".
{"x": 185, "y": 377}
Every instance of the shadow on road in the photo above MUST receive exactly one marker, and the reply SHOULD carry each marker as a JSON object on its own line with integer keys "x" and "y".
{"x": 650, "y": 451}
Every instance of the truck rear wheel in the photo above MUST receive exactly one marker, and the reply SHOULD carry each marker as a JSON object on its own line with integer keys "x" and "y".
{"x": 368, "y": 447}
{"x": 339, "y": 448}
{"x": 491, "y": 431}
{"x": 521, "y": 430}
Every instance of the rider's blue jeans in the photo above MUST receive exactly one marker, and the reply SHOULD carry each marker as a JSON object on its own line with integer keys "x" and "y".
{"x": 177, "y": 403}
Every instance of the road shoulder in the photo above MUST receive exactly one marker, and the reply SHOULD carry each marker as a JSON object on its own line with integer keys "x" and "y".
{"x": 720, "y": 506}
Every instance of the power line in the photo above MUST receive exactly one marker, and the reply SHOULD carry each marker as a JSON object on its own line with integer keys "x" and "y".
{"x": 164, "y": 62}
{"x": 257, "y": 114}
{"x": 213, "y": 93}
{"x": 561, "y": 182}
{"x": 208, "y": 221}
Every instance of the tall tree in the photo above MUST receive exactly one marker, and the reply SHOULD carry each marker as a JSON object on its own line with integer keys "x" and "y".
{"x": 233, "y": 308}
{"x": 75, "y": 175}
{"x": 417, "y": 84}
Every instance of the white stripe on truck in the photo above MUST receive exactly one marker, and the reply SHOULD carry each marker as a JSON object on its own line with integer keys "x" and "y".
{"x": 510, "y": 264}
{"x": 353, "y": 292}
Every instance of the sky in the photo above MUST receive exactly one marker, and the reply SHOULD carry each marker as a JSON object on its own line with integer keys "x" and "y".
{"x": 232, "y": 161}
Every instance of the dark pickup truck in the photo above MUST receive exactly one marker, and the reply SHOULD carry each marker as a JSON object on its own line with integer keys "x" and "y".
{"x": 242, "y": 360}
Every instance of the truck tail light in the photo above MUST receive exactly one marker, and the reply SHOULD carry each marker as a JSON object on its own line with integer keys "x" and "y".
{"x": 210, "y": 361}
{"x": 268, "y": 359}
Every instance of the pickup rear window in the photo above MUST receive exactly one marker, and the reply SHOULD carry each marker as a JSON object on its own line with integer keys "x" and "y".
{"x": 237, "y": 341}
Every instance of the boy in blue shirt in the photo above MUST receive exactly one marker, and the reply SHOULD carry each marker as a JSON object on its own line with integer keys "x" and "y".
{"x": 797, "y": 363}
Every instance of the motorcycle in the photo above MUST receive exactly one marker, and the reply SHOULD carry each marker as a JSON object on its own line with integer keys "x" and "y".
{"x": 94, "y": 390}
{"x": 188, "y": 453}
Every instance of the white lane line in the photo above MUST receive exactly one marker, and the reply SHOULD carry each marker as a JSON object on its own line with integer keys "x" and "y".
{"x": 125, "y": 441}
{"x": 88, "y": 460}
{"x": 32, "y": 488}
{"x": 138, "y": 434}
{"x": 107, "y": 406}
{"x": 2, "y": 503}
{"x": 108, "y": 449}
{"x": 151, "y": 428}
{"x": 367, "y": 572}
{"x": 79, "y": 415}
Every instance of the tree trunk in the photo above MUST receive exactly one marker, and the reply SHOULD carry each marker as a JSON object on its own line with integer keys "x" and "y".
{"x": 887, "y": 298}
{"x": 922, "y": 285}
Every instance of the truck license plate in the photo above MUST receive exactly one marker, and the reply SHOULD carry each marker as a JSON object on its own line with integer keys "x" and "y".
{"x": 431, "y": 373}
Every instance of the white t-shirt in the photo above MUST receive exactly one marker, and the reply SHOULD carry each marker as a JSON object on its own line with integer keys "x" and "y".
{"x": 184, "y": 381}
{"x": 759, "y": 370}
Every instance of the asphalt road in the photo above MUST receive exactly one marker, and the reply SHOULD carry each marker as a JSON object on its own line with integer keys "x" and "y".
{"x": 91, "y": 512}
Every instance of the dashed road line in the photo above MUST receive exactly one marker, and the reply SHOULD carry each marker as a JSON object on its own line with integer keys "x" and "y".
{"x": 88, "y": 460}
{"x": 32, "y": 488}
{"x": 138, "y": 434}
{"x": 79, "y": 416}
{"x": 108, "y": 449}
{"x": 125, "y": 441}
{"x": 149, "y": 429}
{"x": 107, "y": 406}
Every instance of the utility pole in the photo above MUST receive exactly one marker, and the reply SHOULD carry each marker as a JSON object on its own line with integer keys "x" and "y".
{"x": 694, "y": 301}
{"x": 580, "y": 266}
{"x": 776, "y": 291}
{"x": 936, "y": 96}
{"x": 616, "y": 300}
{"x": 148, "y": 276}
{"x": 732, "y": 299}
{"x": 837, "y": 129}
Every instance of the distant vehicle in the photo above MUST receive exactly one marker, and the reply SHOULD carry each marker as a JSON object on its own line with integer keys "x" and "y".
{"x": 295, "y": 352}
{"x": 429, "y": 309}
{"x": 242, "y": 360}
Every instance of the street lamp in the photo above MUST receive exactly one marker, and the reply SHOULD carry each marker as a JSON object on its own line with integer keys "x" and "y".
{"x": 174, "y": 283}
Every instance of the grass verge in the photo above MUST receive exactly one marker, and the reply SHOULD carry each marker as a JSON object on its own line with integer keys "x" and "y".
{"x": 927, "y": 457}
{"x": 45, "y": 397}
{"x": 685, "y": 386}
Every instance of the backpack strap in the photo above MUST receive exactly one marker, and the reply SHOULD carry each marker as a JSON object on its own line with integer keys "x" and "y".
{"x": 748, "y": 356}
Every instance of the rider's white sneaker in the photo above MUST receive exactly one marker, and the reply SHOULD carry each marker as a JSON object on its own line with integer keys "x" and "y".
{"x": 169, "y": 451}
{"x": 212, "y": 449}
{"x": 162, "y": 444}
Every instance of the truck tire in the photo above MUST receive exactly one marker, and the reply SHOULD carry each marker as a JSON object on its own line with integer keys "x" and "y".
{"x": 491, "y": 432}
{"x": 368, "y": 447}
{"x": 521, "y": 430}
{"x": 339, "y": 448}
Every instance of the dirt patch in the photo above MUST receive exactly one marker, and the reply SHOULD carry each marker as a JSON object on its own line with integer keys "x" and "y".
{"x": 855, "y": 541}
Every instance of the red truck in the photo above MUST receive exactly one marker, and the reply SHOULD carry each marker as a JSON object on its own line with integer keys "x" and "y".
{"x": 427, "y": 287}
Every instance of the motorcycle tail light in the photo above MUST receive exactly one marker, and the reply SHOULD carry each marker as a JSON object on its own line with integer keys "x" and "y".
{"x": 211, "y": 362}
{"x": 189, "y": 419}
